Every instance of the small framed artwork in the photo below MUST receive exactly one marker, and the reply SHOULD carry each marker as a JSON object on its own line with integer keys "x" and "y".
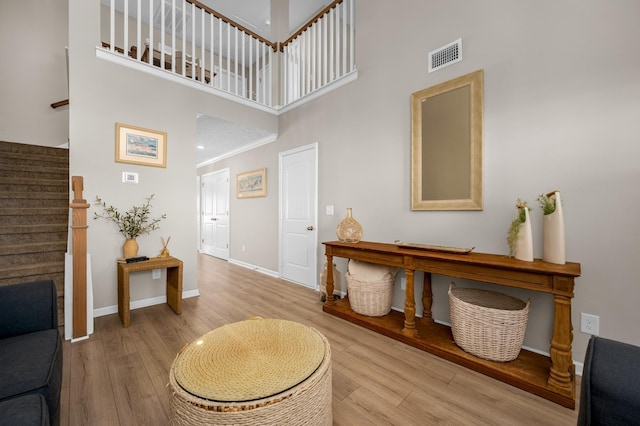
{"x": 136, "y": 145}
{"x": 252, "y": 184}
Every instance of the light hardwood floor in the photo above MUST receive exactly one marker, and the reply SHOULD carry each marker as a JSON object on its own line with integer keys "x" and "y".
{"x": 119, "y": 376}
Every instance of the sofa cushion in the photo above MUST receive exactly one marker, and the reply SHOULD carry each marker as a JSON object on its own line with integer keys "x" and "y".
{"x": 32, "y": 364}
{"x": 366, "y": 271}
{"x": 28, "y": 410}
{"x": 610, "y": 394}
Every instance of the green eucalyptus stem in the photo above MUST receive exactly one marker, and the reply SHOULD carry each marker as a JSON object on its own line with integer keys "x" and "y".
{"x": 132, "y": 223}
{"x": 514, "y": 229}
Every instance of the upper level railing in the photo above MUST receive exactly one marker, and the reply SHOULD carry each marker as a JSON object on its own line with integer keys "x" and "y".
{"x": 189, "y": 39}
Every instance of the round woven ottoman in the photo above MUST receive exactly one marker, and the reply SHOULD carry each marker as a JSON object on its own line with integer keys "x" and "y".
{"x": 253, "y": 372}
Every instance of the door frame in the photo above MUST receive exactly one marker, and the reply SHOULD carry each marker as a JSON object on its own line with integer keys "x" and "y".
{"x": 314, "y": 147}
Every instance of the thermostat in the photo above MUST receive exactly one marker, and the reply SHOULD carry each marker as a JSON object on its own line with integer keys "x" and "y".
{"x": 128, "y": 177}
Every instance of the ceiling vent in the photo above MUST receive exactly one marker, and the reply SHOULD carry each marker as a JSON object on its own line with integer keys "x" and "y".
{"x": 446, "y": 55}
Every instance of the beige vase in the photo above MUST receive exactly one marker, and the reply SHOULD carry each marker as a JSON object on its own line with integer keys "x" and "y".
{"x": 523, "y": 249}
{"x": 553, "y": 240}
{"x": 349, "y": 230}
{"x": 130, "y": 248}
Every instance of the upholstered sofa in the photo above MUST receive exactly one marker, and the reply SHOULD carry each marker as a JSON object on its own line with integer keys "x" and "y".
{"x": 30, "y": 354}
{"x": 610, "y": 390}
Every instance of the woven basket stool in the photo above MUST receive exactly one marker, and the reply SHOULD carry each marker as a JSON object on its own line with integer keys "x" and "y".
{"x": 253, "y": 372}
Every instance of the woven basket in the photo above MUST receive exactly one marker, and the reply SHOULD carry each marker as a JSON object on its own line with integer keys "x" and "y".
{"x": 488, "y": 324}
{"x": 371, "y": 298}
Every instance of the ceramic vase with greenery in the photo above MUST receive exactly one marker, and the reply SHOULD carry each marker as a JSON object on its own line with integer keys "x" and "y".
{"x": 132, "y": 223}
{"x": 553, "y": 239}
{"x": 519, "y": 237}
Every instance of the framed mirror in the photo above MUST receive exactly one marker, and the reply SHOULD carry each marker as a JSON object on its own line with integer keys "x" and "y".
{"x": 446, "y": 145}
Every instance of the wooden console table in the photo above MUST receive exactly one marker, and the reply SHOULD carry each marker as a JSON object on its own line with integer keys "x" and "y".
{"x": 550, "y": 377}
{"x": 174, "y": 284}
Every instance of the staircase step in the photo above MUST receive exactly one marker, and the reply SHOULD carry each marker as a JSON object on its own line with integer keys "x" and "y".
{"x": 9, "y": 184}
{"x": 41, "y": 171}
{"x": 28, "y": 248}
{"x": 26, "y": 273}
{"x": 29, "y": 259}
{"x": 11, "y": 200}
{"x": 8, "y": 148}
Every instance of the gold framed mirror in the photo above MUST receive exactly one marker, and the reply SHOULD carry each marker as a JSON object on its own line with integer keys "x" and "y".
{"x": 446, "y": 145}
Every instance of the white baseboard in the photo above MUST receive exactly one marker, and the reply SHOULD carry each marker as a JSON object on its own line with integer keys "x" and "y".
{"x": 136, "y": 304}
{"x": 255, "y": 268}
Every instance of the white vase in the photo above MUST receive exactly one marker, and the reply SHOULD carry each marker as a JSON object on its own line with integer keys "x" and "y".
{"x": 523, "y": 249}
{"x": 553, "y": 240}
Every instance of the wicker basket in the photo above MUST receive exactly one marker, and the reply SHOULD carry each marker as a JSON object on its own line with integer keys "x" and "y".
{"x": 487, "y": 324}
{"x": 371, "y": 298}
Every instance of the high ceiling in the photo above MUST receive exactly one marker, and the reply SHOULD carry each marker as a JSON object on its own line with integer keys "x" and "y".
{"x": 215, "y": 137}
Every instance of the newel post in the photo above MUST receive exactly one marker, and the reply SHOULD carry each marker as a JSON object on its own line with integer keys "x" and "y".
{"x": 79, "y": 227}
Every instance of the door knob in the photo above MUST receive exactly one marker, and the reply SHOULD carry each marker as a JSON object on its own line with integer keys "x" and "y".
{"x": 309, "y": 228}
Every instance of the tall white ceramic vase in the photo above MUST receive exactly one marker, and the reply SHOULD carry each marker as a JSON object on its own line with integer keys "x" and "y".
{"x": 523, "y": 249}
{"x": 553, "y": 239}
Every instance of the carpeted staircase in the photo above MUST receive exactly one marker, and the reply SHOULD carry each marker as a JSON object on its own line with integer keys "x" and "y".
{"x": 34, "y": 214}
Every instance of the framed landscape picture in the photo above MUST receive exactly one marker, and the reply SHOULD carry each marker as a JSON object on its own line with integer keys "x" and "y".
{"x": 252, "y": 184}
{"x": 137, "y": 145}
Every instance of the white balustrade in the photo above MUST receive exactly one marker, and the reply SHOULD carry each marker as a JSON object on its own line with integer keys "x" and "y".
{"x": 199, "y": 44}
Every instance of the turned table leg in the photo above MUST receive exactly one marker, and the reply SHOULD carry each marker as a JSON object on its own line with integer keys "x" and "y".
{"x": 409, "y": 306}
{"x": 561, "y": 373}
{"x": 427, "y": 297}
{"x": 329, "y": 279}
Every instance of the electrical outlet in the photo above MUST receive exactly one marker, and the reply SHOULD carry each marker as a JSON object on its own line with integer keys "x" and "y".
{"x": 155, "y": 274}
{"x": 590, "y": 324}
{"x": 243, "y": 248}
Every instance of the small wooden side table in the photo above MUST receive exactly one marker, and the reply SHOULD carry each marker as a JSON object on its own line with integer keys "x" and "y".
{"x": 174, "y": 284}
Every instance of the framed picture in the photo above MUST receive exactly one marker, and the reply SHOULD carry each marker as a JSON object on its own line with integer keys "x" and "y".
{"x": 252, "y": 184}
{"x": 136, "y": 145}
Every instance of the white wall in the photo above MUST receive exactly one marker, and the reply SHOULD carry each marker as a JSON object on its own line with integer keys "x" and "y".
{"x": 33, "y": 75}
{"x": 561, "y": 105}
{"x": 103, "y": 94}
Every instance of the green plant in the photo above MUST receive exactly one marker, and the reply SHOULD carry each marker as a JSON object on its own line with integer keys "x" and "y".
{"x": 547, "y": 204}
{"x": 132, "y": 223}
{"x": 514, "y": 229}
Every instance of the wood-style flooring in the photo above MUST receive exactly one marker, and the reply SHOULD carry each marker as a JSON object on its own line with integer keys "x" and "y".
{"x": 119, "y": 376}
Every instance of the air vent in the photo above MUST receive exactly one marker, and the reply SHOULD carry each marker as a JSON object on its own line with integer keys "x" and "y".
{"x": 446, "y": 55}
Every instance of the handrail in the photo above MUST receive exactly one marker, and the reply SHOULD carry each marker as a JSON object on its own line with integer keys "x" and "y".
{"x": 60, "y": 103}
{"x": 233, "y": 23}
{"x": 309, "y": 23}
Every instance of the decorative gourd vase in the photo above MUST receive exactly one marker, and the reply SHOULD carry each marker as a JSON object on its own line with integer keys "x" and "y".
{"x": 523, "y": 248}
{"x": 553, "y": 239}
{"x": 130, "y": 248}
{"x": 349, "y": 230}
{"x": 337, "y": 280}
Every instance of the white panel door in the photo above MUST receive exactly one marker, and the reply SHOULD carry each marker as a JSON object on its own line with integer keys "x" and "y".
{"x": 215, "y": 214}
{"x": 298, "y": 221}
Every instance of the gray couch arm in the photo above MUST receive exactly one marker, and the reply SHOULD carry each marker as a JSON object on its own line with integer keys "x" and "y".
{"x": 610, "y": 390}
{"x": 28, "y": 307}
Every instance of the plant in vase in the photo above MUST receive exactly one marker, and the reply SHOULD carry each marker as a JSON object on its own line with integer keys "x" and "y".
{"x": 553, "y": 240}
{"x": 132, "y": 223}
{"x": 519, "y": 236}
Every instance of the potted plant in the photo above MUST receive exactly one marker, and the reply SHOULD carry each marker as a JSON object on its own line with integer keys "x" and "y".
{"x": 553, "y": 240}
{"x": 519, "y": 236}
{"x": 132, "y": 223}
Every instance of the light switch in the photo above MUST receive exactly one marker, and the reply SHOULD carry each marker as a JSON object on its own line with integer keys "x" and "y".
{"x": 329, "y": 210}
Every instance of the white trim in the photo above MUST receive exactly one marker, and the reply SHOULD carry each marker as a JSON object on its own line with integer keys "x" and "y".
{"x": 336, "y": 84}
{"x": 256, "y": 144}
{"x": 255, "y": 268}
{"x": 143, "y": 303}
